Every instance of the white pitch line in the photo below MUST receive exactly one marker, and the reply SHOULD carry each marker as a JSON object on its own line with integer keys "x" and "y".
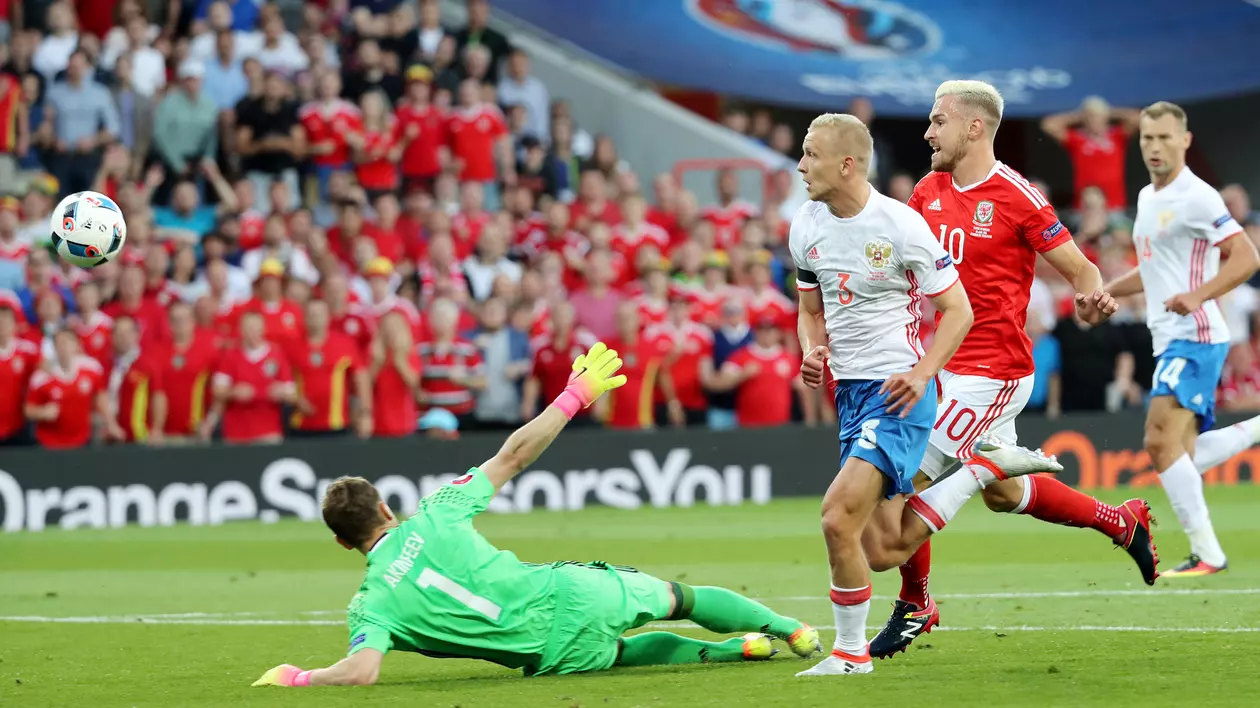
{"x": 1032, "y": 595}
{"x": 159, "y": 620}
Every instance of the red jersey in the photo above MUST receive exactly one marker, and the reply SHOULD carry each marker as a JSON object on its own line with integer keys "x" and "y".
{"x": 728, "y": 220}
{"x": 631, "y": 406}
{"x": 260, "y": 416}
{"x": 150, "y": 320}
{"x": 441, "y": 365}
{"x": 428, "y": 125}
{"x": 474, "y": 131}
{"x": 75, "y": 393}
{"x": 394, "y": 407}
{"x": 163, "y": 293}
{"x": 770, "y": 304}
{"x": 1099, "y": 162}
{"x": 282, "y": 320}
{"x": 324, "y": 375}
{"x": 428, "y": 275}
{"x": 18, "y": 362}
{"x": 356, "y": 327}
{"x": 95, "y": 332}
{"x": 130, "y": 385}
{"x": 628, "y": 241}
{"x": 651, "y": 311}
{"x": 582, "y": 211}
{"x": 706, "y": 305}
{"x": 687, "y": 345}
{"x": 183, "y": 376}
{"x": 466, "y": 230}
{"x": 330, "y": 122}
{"x": 10, "y": 105}
{"x": 252, "y": 225}
{"x": 342, "y": 244}
{"x": 378, "y": 173}
{"x": 14, "y": 251}
{"x": 553, "y": 364}
{"x": 766, "y": 398}
{"x": 993, "y": 231}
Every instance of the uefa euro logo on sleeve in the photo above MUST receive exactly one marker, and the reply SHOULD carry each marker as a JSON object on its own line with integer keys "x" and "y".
{"x": 871, "y": 29}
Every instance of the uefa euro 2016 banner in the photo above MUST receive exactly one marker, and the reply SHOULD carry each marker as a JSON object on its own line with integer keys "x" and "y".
{"x": 1044, "y": 56}
{"x": 112, "y": 487}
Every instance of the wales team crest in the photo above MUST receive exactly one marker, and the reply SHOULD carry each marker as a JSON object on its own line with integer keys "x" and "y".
{"x": 984, "y": 212}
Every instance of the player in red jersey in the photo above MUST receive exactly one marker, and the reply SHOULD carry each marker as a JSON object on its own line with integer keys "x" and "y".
{"x": 251, "y": 383}
{"x": 631, "y": 407}
{"x": 992, "y": 224}
{"x": 764, "y": 378}
{"x": 131, "y": 377}
{"x": 329, "y": 370}
{"x": 19, "y": 359}
{"x": 93, "y": 326}
{"x": 63, "y": 397}
{"x": 182, "y": 381}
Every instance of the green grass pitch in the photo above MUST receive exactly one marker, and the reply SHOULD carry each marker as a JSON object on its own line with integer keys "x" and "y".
{"x": 1032, "y": 614}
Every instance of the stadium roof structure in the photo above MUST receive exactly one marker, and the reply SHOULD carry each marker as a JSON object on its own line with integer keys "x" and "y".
{"x": 1045, "y": 57}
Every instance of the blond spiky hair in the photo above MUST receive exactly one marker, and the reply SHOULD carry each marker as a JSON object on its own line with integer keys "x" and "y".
{"x": 979, "y": 95}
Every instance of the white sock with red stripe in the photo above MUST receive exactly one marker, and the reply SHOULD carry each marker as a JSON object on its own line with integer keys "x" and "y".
{"x": 937, "y": 504}
{"x": 850, "y": 608}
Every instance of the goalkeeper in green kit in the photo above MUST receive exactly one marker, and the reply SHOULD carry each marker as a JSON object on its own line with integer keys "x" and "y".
{"x": 436, "y": 586}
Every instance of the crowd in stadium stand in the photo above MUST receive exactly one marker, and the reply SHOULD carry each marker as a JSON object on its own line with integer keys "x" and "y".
{"x": 352, "y": 220}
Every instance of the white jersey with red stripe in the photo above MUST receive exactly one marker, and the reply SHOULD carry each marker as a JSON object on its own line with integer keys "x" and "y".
{"x": 1176, "y": 234}
{"x": 871, "y": 270}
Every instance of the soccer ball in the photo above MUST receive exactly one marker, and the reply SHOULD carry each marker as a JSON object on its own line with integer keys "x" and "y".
{"x": 87, "y": 229}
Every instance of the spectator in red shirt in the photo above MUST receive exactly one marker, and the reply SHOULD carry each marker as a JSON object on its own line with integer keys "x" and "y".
{"x": 157, "y": 287}
{"x": 453, "y": 372}
{"x": 466, "y": 226}
{"x": 423, "y": 131}
{"x": 764, "y": 300}
{"x": 553, "y": 361}
{"x": 382, "y": 285}
{"x": 345, "y": 319}
{"x": 636, "y": 233}
{"x": 764, "y": 376}
{"x": 328, "y": 369}
{"x": 351, "y": 226}
{"x": 130, "y": 380}
{"x": 50, "y": 317}
{"x": 376, "y": 149}
{"x": 251, "y": 384}
{"x": 690, "y": 362}
{"x": 707, "y": 299}
{"x": 632, "y": 407}
{"x": 62, "y": 398}
{"x": 1096, "y": 138}
{"x": 593, "y": 203}
{"x": 392, "y": 240}
{"x": 395, "y": 372}
{"x": 327, "y": 121}
{"x": 282, "y": 319}
{"x": 18, "y": 361}
{"x": 596, "y": 305}
{"x": 181, "y": 386}
{"x": 730, "y": 213}
{"x": 653, "y": 302}
{"x": 149, "y": 316}
{"x": 480, "y": 141}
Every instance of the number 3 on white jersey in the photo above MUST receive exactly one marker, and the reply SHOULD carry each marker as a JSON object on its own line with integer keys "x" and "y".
{"x": 1169, "y": 371}
{"x": 953, "y": 242}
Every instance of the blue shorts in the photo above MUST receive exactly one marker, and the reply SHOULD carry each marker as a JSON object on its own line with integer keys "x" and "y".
{"x": 868, "y": 431}
{"x": 1190, "y": 371}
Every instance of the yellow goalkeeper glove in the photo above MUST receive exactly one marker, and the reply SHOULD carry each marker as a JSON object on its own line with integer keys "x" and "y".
{"x": 592, "y": 377}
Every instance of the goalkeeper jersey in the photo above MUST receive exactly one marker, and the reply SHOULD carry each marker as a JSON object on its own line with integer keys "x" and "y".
{"x": 436, "y": 586}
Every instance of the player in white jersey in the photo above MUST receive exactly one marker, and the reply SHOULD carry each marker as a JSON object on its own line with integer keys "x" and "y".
{"x": 862, "y": 260}
{"x": 1181, "y": 234}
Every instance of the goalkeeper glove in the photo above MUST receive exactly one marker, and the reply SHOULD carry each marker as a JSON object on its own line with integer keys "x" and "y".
{"x": 592, "y": 377}
{"x": 284, "y": 675}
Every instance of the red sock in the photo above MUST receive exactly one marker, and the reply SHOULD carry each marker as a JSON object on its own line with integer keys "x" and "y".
{"x": 914, "y": 576}
{"x": 1053, "y": 501}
